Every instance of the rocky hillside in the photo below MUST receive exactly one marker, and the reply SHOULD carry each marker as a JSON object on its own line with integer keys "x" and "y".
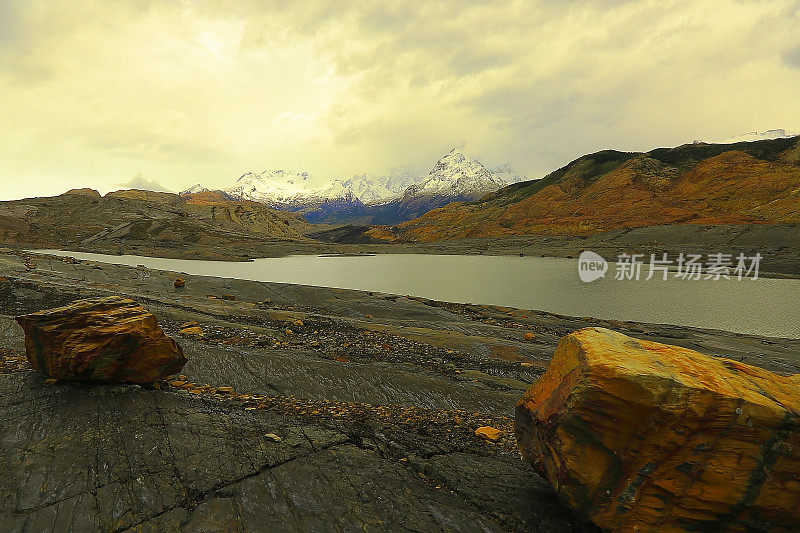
{"x": 747, "y": 182}
{"x": 144, "y": 222}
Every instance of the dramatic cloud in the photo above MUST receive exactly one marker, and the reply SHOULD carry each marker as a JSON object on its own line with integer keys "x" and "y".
{"x": 138, "y": 181}
{"x": 188, "y": 92}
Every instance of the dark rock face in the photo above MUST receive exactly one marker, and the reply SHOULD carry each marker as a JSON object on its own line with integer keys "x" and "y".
{"x": 111, "y": 339}
{"x": 112, "y": 458}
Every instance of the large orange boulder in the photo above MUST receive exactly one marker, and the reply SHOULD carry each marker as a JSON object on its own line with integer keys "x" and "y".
{"x": 100, "y": 339}
{"x": 642, "y": 436}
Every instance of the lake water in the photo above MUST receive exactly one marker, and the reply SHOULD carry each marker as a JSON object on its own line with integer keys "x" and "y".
{"x": 763, "y": 306}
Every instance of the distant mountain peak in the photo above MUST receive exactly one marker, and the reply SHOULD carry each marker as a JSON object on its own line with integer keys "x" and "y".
{"x": 457, "y": 176}
{"x": 453, "y": 157}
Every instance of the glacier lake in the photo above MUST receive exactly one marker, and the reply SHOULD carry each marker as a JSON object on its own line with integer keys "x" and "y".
{"x": 764, "y": 306}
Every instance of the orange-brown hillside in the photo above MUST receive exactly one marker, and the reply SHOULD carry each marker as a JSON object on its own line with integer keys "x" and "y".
{"x": 756, "y": 182}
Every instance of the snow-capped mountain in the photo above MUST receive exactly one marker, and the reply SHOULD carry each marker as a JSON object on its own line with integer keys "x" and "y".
{"x": 454, "y": 178}
{"x": 368, "y": 188}
{"x": 288, "y": 188}
{"x": 394, "y": 197}
{"x": 456, "y": 175}
{"x": 400, "y": 179}
{"x": 275, "y": 187}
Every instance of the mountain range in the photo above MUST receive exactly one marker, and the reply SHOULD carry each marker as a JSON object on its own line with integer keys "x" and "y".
{"x": 748, "y": 183}
{"x": 396, "y": 197}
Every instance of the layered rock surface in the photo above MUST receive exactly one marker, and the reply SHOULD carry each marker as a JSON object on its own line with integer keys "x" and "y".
{"x": 642, "y": 436}
{"x": 100, "y": 339}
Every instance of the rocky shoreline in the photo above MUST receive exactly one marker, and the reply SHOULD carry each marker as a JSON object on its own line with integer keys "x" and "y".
{"x": 300, "y": 408}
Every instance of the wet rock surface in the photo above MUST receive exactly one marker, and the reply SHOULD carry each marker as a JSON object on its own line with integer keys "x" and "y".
{"x": 650, "y": 437}
{"x": 389, "y": 389}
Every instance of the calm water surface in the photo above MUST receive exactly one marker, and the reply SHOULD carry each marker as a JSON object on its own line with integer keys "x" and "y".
{"x": 764, "y": 306}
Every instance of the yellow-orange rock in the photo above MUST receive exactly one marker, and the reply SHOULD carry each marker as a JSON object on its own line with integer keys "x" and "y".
{"x": 100, "y": 339}
{"x": 192, "y": 331}
{"x": 489, "y": 433}
{"x": 642, "y": 436}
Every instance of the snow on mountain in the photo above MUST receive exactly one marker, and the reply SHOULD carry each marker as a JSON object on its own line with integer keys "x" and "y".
{"x": 194, "y": 189}
{"x": 278, "y": 187}
{"x": 456, "y": 175}
{"x": 400, "y": 179}
{"x": 507, "y": 174}
{"x": 757, "y": 136}
{"x": 453, "y": 177}
{"x": 368, "y": 188}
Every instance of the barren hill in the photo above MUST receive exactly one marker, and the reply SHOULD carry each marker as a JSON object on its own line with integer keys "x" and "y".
{"x": 143, "y": 221}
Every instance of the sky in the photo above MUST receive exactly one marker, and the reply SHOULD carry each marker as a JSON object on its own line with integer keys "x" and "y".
{"x": 163, "y": 94}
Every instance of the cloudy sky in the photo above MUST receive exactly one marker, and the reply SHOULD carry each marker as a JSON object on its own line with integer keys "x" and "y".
{"x": 155, "y": 94}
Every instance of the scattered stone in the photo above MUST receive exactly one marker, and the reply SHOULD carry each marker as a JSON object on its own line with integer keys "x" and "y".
{"x": 180, "y": 283}
{"x": 225, "y": 390}
{"x": 230, "y": 297}
{"x": 191, "y": 324}
{"x": 51, "y": 381}
{"x": 529, "y": 336}
{"x": 193, "y": 331}
{"x": 489, "y": 433}
{"x": 298, "y": 322}
{"x": 273, "y": 437}
{"x": 526, "y": 365}
{"x": 110, "y": 339}
{"x": 644, "y": 436}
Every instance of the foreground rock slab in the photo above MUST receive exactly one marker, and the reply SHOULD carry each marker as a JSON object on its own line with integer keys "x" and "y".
{"x": 642, "y": 436}
{"x": 78, "y": 457}
{"x": 110, "y": 339}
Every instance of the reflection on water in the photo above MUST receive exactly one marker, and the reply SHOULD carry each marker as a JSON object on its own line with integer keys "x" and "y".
{"x": 763, "y": 306}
